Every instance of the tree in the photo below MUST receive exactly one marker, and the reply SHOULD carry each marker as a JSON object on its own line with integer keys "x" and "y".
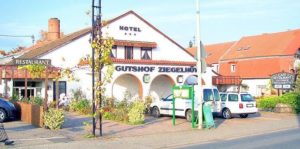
{"x": 297, "y": 83}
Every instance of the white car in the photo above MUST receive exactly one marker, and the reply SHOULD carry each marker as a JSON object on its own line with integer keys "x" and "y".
{"x": 237, "y": 103}
{"x": 183, "y": 107}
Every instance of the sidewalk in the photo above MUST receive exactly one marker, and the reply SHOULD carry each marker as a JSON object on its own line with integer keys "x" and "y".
{"x": 156, "y": 133}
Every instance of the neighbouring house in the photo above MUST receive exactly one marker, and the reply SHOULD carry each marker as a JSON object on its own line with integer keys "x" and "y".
{"x": 253, "y": 59}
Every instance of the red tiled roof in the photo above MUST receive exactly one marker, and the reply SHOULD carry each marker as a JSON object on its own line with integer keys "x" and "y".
{"x": 214, "y": 51}
{"x": 40, "y": 50}
{"x": 153, "y": 62}
{"x": 257, "y": 68}
{"x": 273, "y": 44}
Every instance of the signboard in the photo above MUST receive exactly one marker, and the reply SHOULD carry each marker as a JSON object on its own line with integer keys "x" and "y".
{"x": 184, "y": 92}
{"x": 208, "y": 117}
{"x": 283, "y": 80}
{"x": 160, "y": 69}
{"x": 18, "y": 61}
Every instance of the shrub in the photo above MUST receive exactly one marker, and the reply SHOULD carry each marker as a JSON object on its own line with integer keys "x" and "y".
{"x": 53, "y": 119}
{"x": 81, "y": 106}
{"x": 136, "y": 113}
{"x": 37, "y": 101}
{"x": 78, "y": 94}
{"x": 267, "y": 103}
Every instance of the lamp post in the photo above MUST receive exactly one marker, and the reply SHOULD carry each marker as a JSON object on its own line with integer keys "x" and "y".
{"x": 199, "y": 71}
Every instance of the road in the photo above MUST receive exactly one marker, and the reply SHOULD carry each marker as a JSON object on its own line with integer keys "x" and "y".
{"x": 288, "y": 139}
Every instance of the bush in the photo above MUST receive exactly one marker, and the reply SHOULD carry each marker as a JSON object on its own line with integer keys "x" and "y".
{"x": 81, "y": 106}
{"x": 54, "y": 119}
{"x": 267, "y": 103}
{"x": 136, "y": 113}
{"x": 37, "y": 101}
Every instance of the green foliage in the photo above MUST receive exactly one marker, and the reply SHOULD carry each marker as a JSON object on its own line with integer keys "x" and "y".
{"x": 35, "y": 70}
{"x": 78, "y": 94}
{"x": 54, "y": 119}
{"x": 37, "y": 101}
{"x": 81, "y": 106}
{"x": 126, "y": 112}
{"x": 269, "y": 103}
{"x": 136, "y": 113}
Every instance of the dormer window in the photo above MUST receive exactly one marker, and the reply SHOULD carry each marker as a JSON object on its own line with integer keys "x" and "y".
{"x": 113, "y": 52}
{"x": 146, "y": 53}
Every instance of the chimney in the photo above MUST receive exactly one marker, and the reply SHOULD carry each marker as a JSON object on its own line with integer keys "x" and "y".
{"x": 53, "y": 29}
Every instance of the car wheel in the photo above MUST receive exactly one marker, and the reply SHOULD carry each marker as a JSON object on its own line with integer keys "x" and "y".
{"x": 2, "y": 115}
{"x": 155, "y": 112}
{"x": 243, "y": 115}
{"x": 226, "y": 114}
{"x": 188, "y": 115}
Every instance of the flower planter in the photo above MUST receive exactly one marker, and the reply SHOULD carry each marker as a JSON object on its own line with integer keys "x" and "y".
{"x": 32, "y": 114}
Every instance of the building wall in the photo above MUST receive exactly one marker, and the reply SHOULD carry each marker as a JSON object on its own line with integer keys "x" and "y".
{"x": 257, "y": 86}
{"x": 166, "y": 50}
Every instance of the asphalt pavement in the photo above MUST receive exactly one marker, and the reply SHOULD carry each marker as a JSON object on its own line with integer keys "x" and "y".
{"x": 288, "y": 139}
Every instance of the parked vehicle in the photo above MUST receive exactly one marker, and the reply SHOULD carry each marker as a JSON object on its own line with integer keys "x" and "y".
{"x": 237, "y": 103}
{"x": 183, "y": 107}
{"x": 7, "y": 110}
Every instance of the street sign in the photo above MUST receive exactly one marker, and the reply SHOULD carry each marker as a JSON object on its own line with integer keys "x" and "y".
{"x": 283, "y": 80}
{"x": 18, "y": 61}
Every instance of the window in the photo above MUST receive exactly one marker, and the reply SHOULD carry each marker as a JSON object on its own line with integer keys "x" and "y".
{"x": 233, "y": 67}
{"x": 62, "y": 88}
{"x": 207, "y": 95}
{"x": 113, "y": 52}
{"x": 146, "y": 53}
{"x": 246, "y": 97}
{"x": 128, "y": 52}
{"x": 233, "y": 97}
{"x": 223, "y": 97}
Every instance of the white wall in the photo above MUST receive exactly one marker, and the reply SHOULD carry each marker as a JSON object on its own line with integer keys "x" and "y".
{"x": 253, "y": 85}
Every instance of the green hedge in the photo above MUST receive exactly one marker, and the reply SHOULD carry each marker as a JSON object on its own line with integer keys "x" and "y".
{"x": 81, "y": 106}
{"x": 269, "y": 103}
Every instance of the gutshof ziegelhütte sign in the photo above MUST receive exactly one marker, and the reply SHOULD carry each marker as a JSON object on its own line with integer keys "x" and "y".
{"x": 283, "y": 80}
{"x": 18, "y": 61}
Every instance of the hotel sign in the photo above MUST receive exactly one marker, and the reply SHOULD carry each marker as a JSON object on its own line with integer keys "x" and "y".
{"x": 18, "y": 61}
{"x": 283, "y": 80}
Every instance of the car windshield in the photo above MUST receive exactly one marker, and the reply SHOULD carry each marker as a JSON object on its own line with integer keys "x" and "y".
{"x": 207, "y": 95}
{"x": 168, "y": 98}
{"x": 216, "y": 95}
{"x": 246, "y": 97}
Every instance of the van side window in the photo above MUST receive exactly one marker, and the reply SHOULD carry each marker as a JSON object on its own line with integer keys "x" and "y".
{"x": 223, "y": 97}
{"x": 233, "y": 97}
{"x": 207, "y": 95}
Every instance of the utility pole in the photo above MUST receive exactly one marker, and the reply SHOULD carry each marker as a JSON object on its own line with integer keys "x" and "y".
{"x": 199, "y": 71}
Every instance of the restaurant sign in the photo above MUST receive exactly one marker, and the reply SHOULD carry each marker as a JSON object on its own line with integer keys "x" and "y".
{"x": 18, "y": 61}
{"x": 283, "y": 80}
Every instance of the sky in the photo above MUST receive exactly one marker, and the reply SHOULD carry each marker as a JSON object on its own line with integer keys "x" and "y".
{"x": 221, "y": 20}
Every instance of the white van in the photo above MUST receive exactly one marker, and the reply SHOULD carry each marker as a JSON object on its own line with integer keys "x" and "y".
{"x": 183, "y": 107}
